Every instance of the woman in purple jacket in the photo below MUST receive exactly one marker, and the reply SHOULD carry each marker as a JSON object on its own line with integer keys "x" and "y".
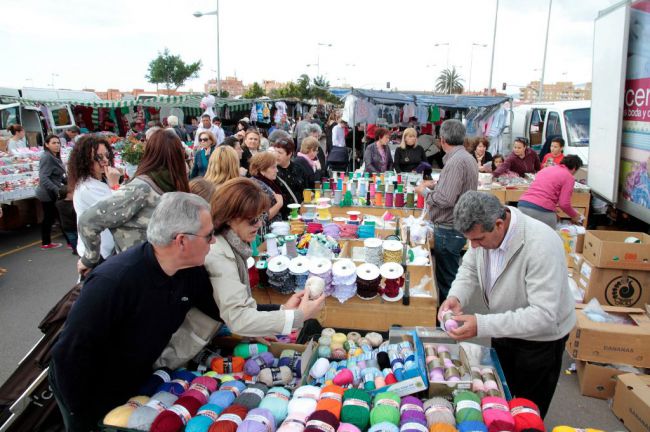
{"x": 522, "y": 160}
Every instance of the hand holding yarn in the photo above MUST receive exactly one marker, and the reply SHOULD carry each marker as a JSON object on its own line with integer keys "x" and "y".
{"x": 451, "y": 304}
{"x": 448, "y": 322}
{"x": 467, "y": 329}
{"x": 311, "y": 308}
{"x": 315, "y": 287}
{"x": 294, "y": 300}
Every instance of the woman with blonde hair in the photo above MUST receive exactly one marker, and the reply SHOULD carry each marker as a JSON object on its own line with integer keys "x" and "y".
{"x": 223, "y": 166}
{"x": 409, "y": 154}
{"x": 207, "y": 143}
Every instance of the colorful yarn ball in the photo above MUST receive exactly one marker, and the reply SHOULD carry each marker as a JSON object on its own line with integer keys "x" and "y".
{"x": 468, "y": 407}
{"x": 331, "y": 399}
{"x": 307, "y": 391}
{"x": 328, "y": 332}
{"x": 374, "y": 338}
{"x": 295, "y": 422}
{"x": 253, "y": 365}
{"x": 275, "y": 376}
{"x": 324, "y": 351}
{"x": 252, "y": 396}
{"x": 344, "y": 377}
{"x": 205, "y": 416}
{"x": 496, "y": 414}
{"x": 319, "y": 368}
{"x": 442, "y": 427}
{"x": 277, "y": 401}
{"x": 234, "y": 386}
{"x": 293, "y": 360}
{"x": 385, "y": 408}
{"x": 439, "y": 410}
{"x": 384, "y": 427}
{"x": 356, "y": 408}
{"x": 413, "y": 427}
{"x": 258, "y": 420}
{"x": 347, "y": 427}
{"x": 227, "y": 365}
{"x": 301, "y": 406}
{"x": 526, "y": 415}
{"x": 320, "y": 421}
{"x": 201, "y": 388}
{"x": 222, "y": 398}
{"x": 412, "y": 411}
{"x": 472, "y": 426}
{"x": 247, "y": 351}
{"x": 176, "y": 416}
{"x": 339, "y": 338}
{"x": 119, "y": 416}
{"x": 157, "y": 378}
{"x": 230, "y": 419}
{"x": 180, "y": 382}
{"x": 143, "y": 417}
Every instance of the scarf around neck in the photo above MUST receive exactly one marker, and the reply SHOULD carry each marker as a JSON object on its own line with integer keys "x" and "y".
{"x": 163, "y": 180}
{"x": 270, "y": 183}
{"x": 242, "y": 252}
{"x": 311, "y": 162}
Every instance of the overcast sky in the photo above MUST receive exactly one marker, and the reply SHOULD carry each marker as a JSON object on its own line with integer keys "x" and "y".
{"x": 108, "y": 44}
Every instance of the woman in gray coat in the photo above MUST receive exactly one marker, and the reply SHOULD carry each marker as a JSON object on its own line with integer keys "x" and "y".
{"x": 377, "y": 157}
{"x": 51, "y": 176}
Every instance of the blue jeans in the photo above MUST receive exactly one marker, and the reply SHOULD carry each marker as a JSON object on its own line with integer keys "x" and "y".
{"x": 446, "y": 251}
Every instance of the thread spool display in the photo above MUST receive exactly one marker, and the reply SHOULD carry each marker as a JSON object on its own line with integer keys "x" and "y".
{"x": 393, "y": 281}
{"x": 279, "y": 275}
{"x": 373, "y": 251}
{"x": 322, "y": 268}
{"x": 271, "y": 245}
{"x": 261, "y": 267}
{"x": 299, "y": 269}
{"x": 392, "y": 251}
{"x": 354, "y": 215}
{"x": 368, "y": 278}
{"x": 399, "y": 199}
{"x": 344, "y": 278}
{"x": 307, "y": 195}
{"x": 338, "y": 196}
{"x": 366, "y": 231}
{"x": 389, "y": 199}
{"x": 410, "y": 200}
{"x": 290, "y": 245}
{"x": 253, "y": 275}
{"x": 295, "y": 209}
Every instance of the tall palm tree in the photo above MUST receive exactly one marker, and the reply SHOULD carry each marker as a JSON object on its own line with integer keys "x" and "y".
{"x": 449, "y": 82}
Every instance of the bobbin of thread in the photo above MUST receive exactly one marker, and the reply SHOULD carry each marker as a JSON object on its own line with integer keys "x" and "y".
{"x": 392, "y": 272}
{"x": 368, "y": 278}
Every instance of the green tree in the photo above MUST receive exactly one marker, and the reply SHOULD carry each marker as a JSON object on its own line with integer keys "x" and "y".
{"x": 306, "y": 88}
{"x": 171, "y": 71}
{"x": 449, "y": 82}
{"x": 254, "y": 91}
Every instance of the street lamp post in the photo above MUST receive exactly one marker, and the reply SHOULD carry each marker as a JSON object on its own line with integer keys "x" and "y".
{"x": 540, "y": 94}
{"x": 320, "y": 44}
{"x": 216, "y": 13}
{"x": 471, "y": 61}
{"x": 443, "y": 44}
{"x": 494, "y": 39}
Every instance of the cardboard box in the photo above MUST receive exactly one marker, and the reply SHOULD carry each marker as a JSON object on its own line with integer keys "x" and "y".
{"x": 614, "y": 287}
{"x": 612, "y": 343}
{"x": 632, "y": 401}
{"x": 596, "y": 380}
{"x": 607, "y": 249}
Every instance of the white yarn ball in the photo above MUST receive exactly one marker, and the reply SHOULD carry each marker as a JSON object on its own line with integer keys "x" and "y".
{"x": 319, "y": 369}
{"x": 374, "y": 338}
{"x": 307, "y": 391}
{"x": 314, "y": 287}
{"x": 302, "y": 405}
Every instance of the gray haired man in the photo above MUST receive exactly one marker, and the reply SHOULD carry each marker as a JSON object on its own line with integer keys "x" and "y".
{"x": 128, "y": 310}
{"x": 517, "y": 265}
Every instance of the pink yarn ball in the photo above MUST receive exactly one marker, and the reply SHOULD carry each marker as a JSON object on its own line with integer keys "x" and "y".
{"x": 344, "y": 377}
{"x": 451, "y": 324}
{"x": 347, "y": 427}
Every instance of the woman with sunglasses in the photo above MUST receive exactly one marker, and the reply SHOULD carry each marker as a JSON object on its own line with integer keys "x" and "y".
{"x": 208, "y": 143}
{"x": 521, "y": 161}
{"x": 92, "y": 177}
{"x": 127, "y": 211}
{"x": 264, "y": 169}
{"x": 51, "y": 176}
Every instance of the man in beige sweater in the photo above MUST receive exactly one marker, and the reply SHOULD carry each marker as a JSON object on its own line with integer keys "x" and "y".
{"x": 517, "y": 264}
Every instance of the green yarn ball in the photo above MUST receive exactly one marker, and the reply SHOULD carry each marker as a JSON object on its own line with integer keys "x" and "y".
{"x": 386, "y": 408}
{"x": 468, "y": 407}
{"x": 353, "y": 410}
{"x": 249, "y": 350}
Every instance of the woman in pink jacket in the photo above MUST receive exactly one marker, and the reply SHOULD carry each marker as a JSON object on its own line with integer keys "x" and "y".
{"x": 552, "y": 188}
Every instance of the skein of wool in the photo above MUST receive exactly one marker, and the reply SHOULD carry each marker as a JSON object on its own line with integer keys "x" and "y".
{"x": 157, "y": 378}
{"x": 230, "y": 419}
{"x": 205, "y": 416}
{"x": 180, "y": 382}
{"x": 249, "y": 350}
{"x": 301, "y": 406}
{"x": 307, "y": 391}
{"x": 322, "y": 421}
{"x": 385, "y": 408}
{"x": 201, "y": 388}
{"x": 275, "y": 376}
{"x": 293, "y": 360}
{"x": 496, "y": 414}
{"x": 295, "y": 422}
{"x": 222, "y": 398}
{"x": 383, "y": 360}
{"x": 374, "y": 338}
{"x": 347, "y": 427}
{"x": 234, "y": 386}
{"x": 472, "y": 426}
{"x": 384, "y": 427}
{"x": 258, "y": 420}
{"x": 254, "y": 364}
{"x": 411, "y": 411}
{"x": 176, "y": 416}
{"x": 439, "y": 410}
{"x": 331, "y": 399}
{"x": 526, "y": 415}
{"x": 143, "y": 416}
{"x": 356, "y": 408}
{"x": 442, "y": 427}
{"x": 252, "y": 396}
{"x": 468, "y": 407}
{"x": 277, "y": 401}
{"x": 227, "y": 365}
{"x": 413, "y": 427}
{"x": 328, "y": 332}
{"x": 119, "y": 416}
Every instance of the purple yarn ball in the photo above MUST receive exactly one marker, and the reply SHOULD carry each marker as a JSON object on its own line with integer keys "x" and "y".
{"x": 254, "y": 365}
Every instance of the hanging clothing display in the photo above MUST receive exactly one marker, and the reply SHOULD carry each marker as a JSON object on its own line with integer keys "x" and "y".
{"x": 281, "y": 110}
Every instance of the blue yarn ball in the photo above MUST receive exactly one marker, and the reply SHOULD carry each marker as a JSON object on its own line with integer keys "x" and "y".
{"x": 471, "y": 426}
{"x": 222, "y": 398}
{"x": 175, "y": 386}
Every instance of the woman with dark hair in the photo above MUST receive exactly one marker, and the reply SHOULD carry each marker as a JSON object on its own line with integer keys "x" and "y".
{"x": 51, "y": 177}
{"x": 264, "y": 169}
{"x": 208, "y": 143}
{"x": 377, "y": 157}
{"x": 17, "y": 140}
{"x": 521, "y": 161}
{"x": 552, "y": 188}
{"x": 127, "y": 211}
{"x": 290, "y": 178}
{"x": 250, "y": 146}
{"x": 92, "y": 177}
{"x": 482, "y": 156}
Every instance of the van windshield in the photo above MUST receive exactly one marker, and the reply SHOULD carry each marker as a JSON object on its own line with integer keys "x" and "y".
{"x": 577, "y": 124}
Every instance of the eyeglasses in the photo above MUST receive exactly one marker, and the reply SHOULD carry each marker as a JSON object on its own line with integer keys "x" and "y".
{"x": 207, "y": 238}
{"x": 204, "y": 139}
{"x": 255, "y": 221}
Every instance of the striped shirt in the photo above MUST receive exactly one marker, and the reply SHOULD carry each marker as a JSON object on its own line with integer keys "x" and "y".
{"x": 495, "y": 258}
{"x": 459, "y": 175}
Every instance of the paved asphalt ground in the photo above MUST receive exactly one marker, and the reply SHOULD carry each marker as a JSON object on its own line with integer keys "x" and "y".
{"x": 37, "y": 279}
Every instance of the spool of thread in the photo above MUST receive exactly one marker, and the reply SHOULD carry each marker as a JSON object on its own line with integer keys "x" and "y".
{"x": 252, "y": 396}
{"x": 411, "y": 411}
{"x": 399, "y": 199}
{"x": 331, "y": 399}
{"x": 496, "y": 414}
{"x": 420, "y": 201}
{"x": 160, "y": 376}
{"x": 468, "y": 407}
{"x": 261, "y": 267}
{"x": 526, "y": 415}
{"x": 230, "y": 419}
{"x": 385, "y": 409}
{"x": 180, "y": 382}
{"x": 176, "y": 416}
{"x": 410, "y": 200}
{"x": 322, "y": 421}
{"x": 307, "y": 195}
{"x": 279, "y": 276}
{"x": 392, "y": 251}
{"x": 277, "y": 402}
{"x": 356, "y": 408}
{"x": 271, "y": 245}
{"x": 253, "y": 365}
{"x": 227, "y": 365}
{"x": 119, "y": 416}
{"x": 248, "y": 350}
{"x": 439, "y": 410}
{"x": 201, "y": 388}
{"x": 205, "y": 417}
{"x": 275, "y": 376}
